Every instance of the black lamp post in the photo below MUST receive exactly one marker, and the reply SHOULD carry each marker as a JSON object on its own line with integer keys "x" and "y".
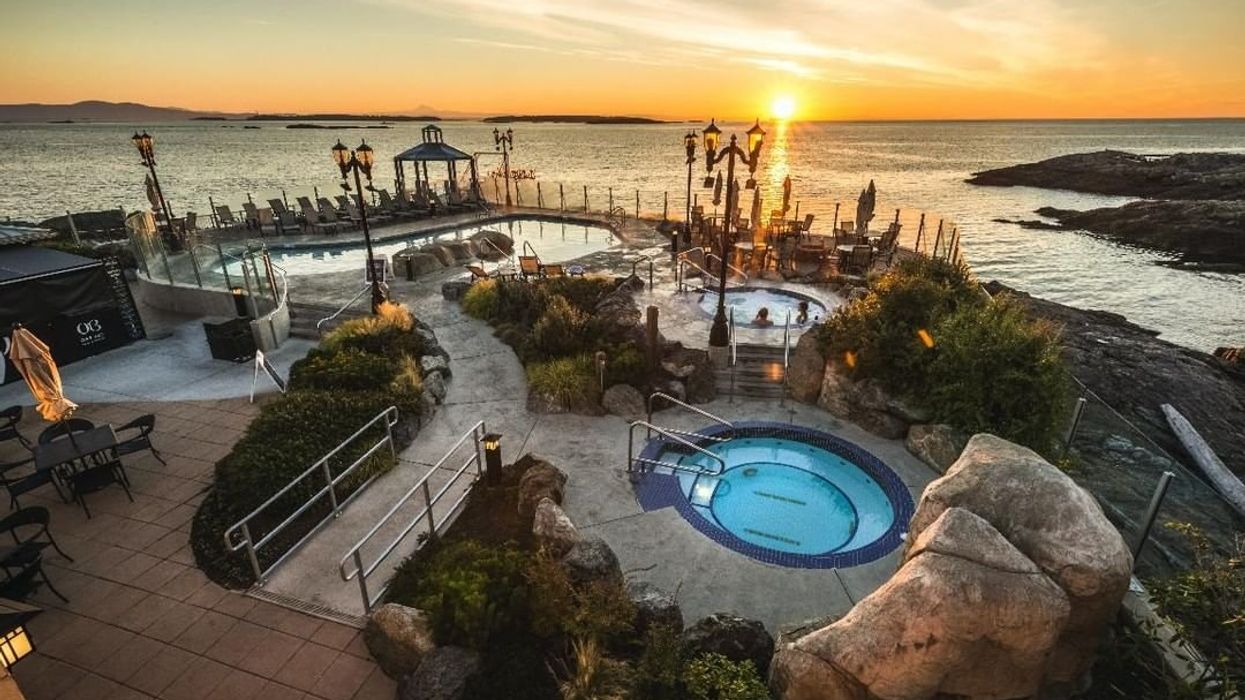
{"x": 147, "y": 151}
{"x": 689, "y": 142}
{"x": 504, "y": 141}
{"x": 360, "y": 160}
{"x": 719, "y": 334}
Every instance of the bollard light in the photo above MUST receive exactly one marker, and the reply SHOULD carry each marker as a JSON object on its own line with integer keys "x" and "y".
{"x": 15, "y": 641}
{"x": 492, "y": 458}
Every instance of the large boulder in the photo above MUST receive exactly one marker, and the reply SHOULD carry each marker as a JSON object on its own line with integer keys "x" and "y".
{"x": 442, "y": 253}
{"x": 1054, "y": 523}
{"x": 434, "y": 385}
{"x": 454, "y": 289}
{"x": 493, "y": 245}
{"x": 421, "y": 264}
{"x": 967, "y": 615}
{"x": 807, "y": 370}
{"x": 443, "y": 675}
{"x": 837, "y": 392}
{"x": 430, "y": 364}
{"x": 591, "y": 559}
{"x": 736, "y": 638}
{"x": 694, "y": 369}
{"x": 540, "y": 480}
{"x": 653, "y": 607}
{"x": 624, "y": 400}
{"x": 938, "y": 445}
{"x": 398, "y": 638}
{"x": 553, "y": 529}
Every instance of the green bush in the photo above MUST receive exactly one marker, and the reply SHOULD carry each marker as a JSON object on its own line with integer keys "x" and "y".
{"x": 481, "y": 300}
{"x": 715, "y": 677}
{"x": 390, "y": 333}
{"x": 601, "y": 610}
{"x": 994, "y": 370}
{"x": 584, "y": 293}
{"x": 560, "y": 331}
{"x": 470, "y": 591}
{"x": 660, "y": 666}
{"x": 346, "y": 370}
{"x": 569, "y": 381}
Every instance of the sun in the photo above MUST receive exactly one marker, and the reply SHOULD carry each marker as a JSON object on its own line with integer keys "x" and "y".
{"x": 783, "y": 107}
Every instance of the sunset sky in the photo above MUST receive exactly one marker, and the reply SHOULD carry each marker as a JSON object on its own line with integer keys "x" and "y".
{"x": 837, "y": 59}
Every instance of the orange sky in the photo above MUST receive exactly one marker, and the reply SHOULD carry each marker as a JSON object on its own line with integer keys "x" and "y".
{"x": 839, "y": 59}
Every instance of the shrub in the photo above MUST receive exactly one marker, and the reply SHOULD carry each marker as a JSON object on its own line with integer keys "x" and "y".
{"x": 560, "y": 331}
{"x": 519, "y": 303}
{"x": 715, "y": 677}
{"x": 595, "y": 676}
{"x": 660, "y": 666}
{"x": 569, "y": 381}
{"x": 584, "y": 293}
{"x": 347, "y": 370}
{"x": 390, "y": 332}
{"x": 626, "y": 364}
{"x": 996, "y": 371}
{"x": 408, "y": 379}
{"x": 601, "y": 610}
{"x": 481, "y": 300}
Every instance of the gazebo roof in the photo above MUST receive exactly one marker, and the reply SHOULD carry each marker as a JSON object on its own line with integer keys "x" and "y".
{"x": 432, "y": 149}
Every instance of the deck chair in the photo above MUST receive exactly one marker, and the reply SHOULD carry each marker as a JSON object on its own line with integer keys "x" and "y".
{"x": 807, "y": 227}
{"x": 225, "y": 216}
{"x": 312, "y": 217}
{"x": 279, "y": 208}
{"x": 391, "y": 205}
{"x": 553, "y": 270}
{"x": 330, "y": 215}
{"x": 190, "y": 223}
{"x": 477, "y": 273}
{"x": 255, "y": 218}
{"x": 529, "y": 266}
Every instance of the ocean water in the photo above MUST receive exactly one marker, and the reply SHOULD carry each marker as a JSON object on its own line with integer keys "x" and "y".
{"x": 917, "y": 166}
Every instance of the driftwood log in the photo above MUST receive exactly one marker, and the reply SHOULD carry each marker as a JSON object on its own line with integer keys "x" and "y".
{"x": 1230, "y": 487}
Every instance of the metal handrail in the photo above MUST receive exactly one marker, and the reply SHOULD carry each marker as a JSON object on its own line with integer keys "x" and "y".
{"x": 389, "y": 417}
{"x": 320, "y": 324}
{"x": 734, "y": 357}
{"x": 639, "y": 260}
{"x": 355, "y": 553}
{"x": 671, "y": 435}
{"x": 728, "y": 265}
{"x": 529, "y": 248}
{"x": 495, "y": 247}
{"x": 684, "y": 264}
{"x": 786, "y": 357}
{"x": 700, "y": 412}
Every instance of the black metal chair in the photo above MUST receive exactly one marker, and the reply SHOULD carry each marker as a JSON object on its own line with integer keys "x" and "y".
{"x": 144, "y": 425}
{"x": 27, "y": 519}
{"x": 96, "y": 477}
{"x": 9, "y": 418}
{"x": 17, "y": 484}
{"x": 64, "y": 428}
{"x": 23, "y": 574}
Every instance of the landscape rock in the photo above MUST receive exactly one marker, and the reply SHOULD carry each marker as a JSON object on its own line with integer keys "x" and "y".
{"x": 837, "y": 392}
{"x": 736, "y": 638}
{"x": 454, "y": 289}
{"x": 966, "y": 615}
{"x": 553, "y": 529}
{"x": 434, "y": 364}
{"x": 653, "y": 607}
{"x": 434, "y": 385}
{"x": 695, "y": 370}
{"x": 432, "y": 346}
{"x": 422, "y": 264}
{"x": 398, "y": 638}
{"x": 938, "y": 445}
{"x": 485, "y": 251}
{"x": 459, "y": 250}
{"x": 443, "y": 675}
{"x": 442, "y": 253}
{"x": 540, "y": 480}
{"x": 675, "y": 388}
{"x": 624, "y": 400}
{"x": 807, "y": 370}
{"x": 880, "y": 423}
{"x": 591, "y": 559}
{"x": 1054, "y": 523}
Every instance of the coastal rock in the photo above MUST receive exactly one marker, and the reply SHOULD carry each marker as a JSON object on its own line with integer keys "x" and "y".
{"x": 540, "y": 480}
{"x": 1211, "y": 176}
{"x": 553, "y": 528}
{"x": 434, "y": 364}
{"x": 1054, "y": 523}
{"x": 736, "y": 638}
{"x": 966, "y": 615}
{"x": 1207, "y": 233}
{"x": 807, "y": 369}
{"x": 591, "y": 559}
{"x": 653, "y": 607}
{"x": 937, "y": 445}
{"x": 454, "y": 289}
{"x": 624, "y": 400}
{"x": 443, "y": 675}
{"x": 398, "y": 637}
{"x": 434, "y": 385}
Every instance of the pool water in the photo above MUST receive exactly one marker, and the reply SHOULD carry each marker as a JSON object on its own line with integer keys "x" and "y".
{"x": 554, "y": 242}
{"x": 748, "y": 301}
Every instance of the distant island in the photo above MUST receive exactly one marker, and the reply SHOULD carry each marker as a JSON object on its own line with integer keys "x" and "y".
{"x": 100, "y": 111}
{"x": 335, "y": 126}
{"x": 569, "y": 119}
{"x": 341, "y": 118}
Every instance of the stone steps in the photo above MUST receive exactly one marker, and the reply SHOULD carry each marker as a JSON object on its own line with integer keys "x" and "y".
{"x": 757, "y": 373}
{"x": 304, "y": 317}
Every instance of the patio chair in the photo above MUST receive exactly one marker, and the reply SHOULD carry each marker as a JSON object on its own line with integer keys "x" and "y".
{"x": 19, "y": 484}
{"x": 97, "y": 477}
{"x": 859, "y": 260}
{"x": 140, "y": 440}
{"x": 312, "y": 218}
{"x": 807, "y": 226}
{"x": 63, "y": 428}
{"x": 23, "y": 520}
{"x": 225, "y": 216}
{"x": 9, "y": 418}
{"x": 259, "y": 219}
{"x": 391, "y": 205}
{"x": 330, "y": 214}
{"x": 478, "y": 273}
{"x": 529, "y": 266}
{"x": 23, "y": 574}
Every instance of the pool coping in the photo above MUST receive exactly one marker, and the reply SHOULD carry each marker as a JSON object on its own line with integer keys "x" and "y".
{"x": 655, "y": 491}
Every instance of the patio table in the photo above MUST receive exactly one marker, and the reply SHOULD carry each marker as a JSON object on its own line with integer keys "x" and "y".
{"x": 66, "y": 453}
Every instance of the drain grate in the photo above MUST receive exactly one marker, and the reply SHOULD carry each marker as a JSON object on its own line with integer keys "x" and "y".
{"x": 302, "y": 606}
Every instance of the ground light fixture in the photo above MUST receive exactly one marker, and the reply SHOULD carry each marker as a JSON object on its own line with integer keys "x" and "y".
{"x": 492, "y": 457}
{"x": 718, "y": 334}
{"x": 15, "y": 641}
{"x": 358, "y": 161}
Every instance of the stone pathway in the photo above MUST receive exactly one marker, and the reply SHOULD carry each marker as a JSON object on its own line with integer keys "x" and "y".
{"x": 142, "y": 621}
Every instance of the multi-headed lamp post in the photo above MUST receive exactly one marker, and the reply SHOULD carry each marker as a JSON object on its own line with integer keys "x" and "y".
{"x": 504, "y": 141}
{"x": 719, "y": 335}
{"x": 689, "y": 142}
{"x": 360, "y": 161}
{"x": 147, "y": 151}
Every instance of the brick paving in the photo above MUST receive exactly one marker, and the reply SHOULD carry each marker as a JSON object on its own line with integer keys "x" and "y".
{"x": 142, "y": 621}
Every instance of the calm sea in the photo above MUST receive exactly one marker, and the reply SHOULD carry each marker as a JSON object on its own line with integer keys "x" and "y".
{"x": 48, "y": 168}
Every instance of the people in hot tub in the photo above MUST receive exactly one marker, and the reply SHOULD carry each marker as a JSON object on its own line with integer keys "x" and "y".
{"x": 762, "y": 318}
{"x": 801, "y": 316}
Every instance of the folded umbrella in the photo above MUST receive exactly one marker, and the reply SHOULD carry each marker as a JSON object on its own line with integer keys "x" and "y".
{"x": 33, "y": 360}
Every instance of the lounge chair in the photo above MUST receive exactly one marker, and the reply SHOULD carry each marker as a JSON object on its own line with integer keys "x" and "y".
{"x": 553, "y": 270}
{"x": 256, "y": 220}
{"x": 190, "y": 223}
{"x": 225, "y": 216}
{"x": 330, "y": 215}
{"x": 313, "y": 219}
{"x": 478, "y": 273}
{"x": 280, "y": 210}
{"x": 390, "y": 205}
{"x": 529, "y": 266}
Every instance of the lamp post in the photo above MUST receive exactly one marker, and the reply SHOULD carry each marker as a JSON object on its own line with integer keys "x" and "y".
{"x": 718, "y": 335}
{"x": 504, "y": 141}
{"x": 147, "y": 151}
{"x": 689, "y": 142}
{"x": 360, "y": 161}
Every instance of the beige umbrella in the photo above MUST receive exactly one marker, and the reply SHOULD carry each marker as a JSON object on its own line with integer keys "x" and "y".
{"x": 786, "y": 194}
{"x": 33, "y": 360}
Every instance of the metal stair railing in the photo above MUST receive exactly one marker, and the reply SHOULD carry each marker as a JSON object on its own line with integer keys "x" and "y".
{"x": 238, "y": 536}
{"x": 320, "y": 324}
{"x": 363, "y": 571}
{"x": 733, "y": 358}
{"x": 705, "y": 275}
{"x": 715, "y": 256}
{"x": 700, "y": 412}
{"x": 786, "y": 358}
{"x": 669, "y": 435}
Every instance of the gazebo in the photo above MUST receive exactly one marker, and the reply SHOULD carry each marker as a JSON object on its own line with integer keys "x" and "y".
{"x": 432, "y": 150}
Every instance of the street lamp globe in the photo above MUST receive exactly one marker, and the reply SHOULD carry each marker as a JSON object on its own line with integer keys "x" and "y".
{"x": 756, "y": 136}
{"x": 365, "y": 157}
{"x": 712, "y": 136}
{"x": 145, "y": 145}
{"x": 689, "y": 142}
{"x": 341, "y": 156}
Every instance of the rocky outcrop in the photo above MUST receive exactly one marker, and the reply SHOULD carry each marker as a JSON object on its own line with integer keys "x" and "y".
{"x": 693, "y": 369}
{"x": 540, "y": 480}
{"x": 398, "y": 638}
{"x": 1181, "y": 176}
{"x": 807, "y": 370}
{"x": 434, "y": 386}
{"x": 624, "y": 400}
{"x": 435, "y": 364}
{"x": 654, "y": 607}
{"x": 454, "y": 289}
{"x": 553, "y": 529}
{"x": 591, "y": 559}
{"x": 492, "y": 245}
{"x": 443, "y": 675}
{"x": 865, "y": 403}
{"x": 938, "y": 445}
{"x": 1208, "y": 233}
{"x": 736, "y": 638}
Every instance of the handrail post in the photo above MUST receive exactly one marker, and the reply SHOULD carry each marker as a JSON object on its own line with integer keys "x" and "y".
{"x": 250, "y": 553}
{"x": 1072, "y": 428}
{"x": 328, "y": 478}
{"x": 362, "y": 575}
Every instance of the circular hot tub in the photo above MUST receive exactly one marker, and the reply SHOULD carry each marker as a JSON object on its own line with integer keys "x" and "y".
{"x": 747, "y": 301}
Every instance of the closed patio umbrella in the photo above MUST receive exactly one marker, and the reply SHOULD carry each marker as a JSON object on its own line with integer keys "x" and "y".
{"x": 152, "y": 195}
{"x": 33, "y": 360}
{"x": 864, "y": 208}
{"x": 786, "y": 194}
{"x": 756, "y": 207}
{"x": 717, "y": 190}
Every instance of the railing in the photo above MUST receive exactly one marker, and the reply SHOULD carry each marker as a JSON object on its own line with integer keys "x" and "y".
{"x": 730, "y": 427}
{"x": 362, "y": 571}
{"x": 705, "y": 275}
{"x": 733, "y": 358}
{"x": 736, "y": 270}
{"x": 786, "y": 358}
{"x": 239, "y": 536}
{"x": 320, "y": 324}
{"x": 639, "y": 260}
{"x": 669, "y": 435}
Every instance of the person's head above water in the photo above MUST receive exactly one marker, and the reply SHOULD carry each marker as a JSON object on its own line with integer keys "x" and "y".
{"x": 763, "y": 313}
{"x": 803, "y": 307}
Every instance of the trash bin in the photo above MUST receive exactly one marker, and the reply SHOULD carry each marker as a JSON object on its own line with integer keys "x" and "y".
{"x": 231, "y": 340}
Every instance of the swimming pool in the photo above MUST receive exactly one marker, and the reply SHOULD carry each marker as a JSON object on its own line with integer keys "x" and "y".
{"x": 747, "y": 301}
{"x": 553, "y": 241}
{"x": 788, "y": 495}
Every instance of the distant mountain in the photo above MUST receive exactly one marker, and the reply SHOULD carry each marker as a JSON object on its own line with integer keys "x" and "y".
{"x": 99, "y": 111}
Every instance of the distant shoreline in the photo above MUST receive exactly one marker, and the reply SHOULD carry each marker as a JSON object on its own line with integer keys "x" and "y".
{"x": 569, "y": 119}
{"x": 339, "y": 118}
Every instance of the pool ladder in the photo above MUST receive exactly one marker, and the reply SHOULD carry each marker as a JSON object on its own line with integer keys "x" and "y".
{"x": 680, "y": 437}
